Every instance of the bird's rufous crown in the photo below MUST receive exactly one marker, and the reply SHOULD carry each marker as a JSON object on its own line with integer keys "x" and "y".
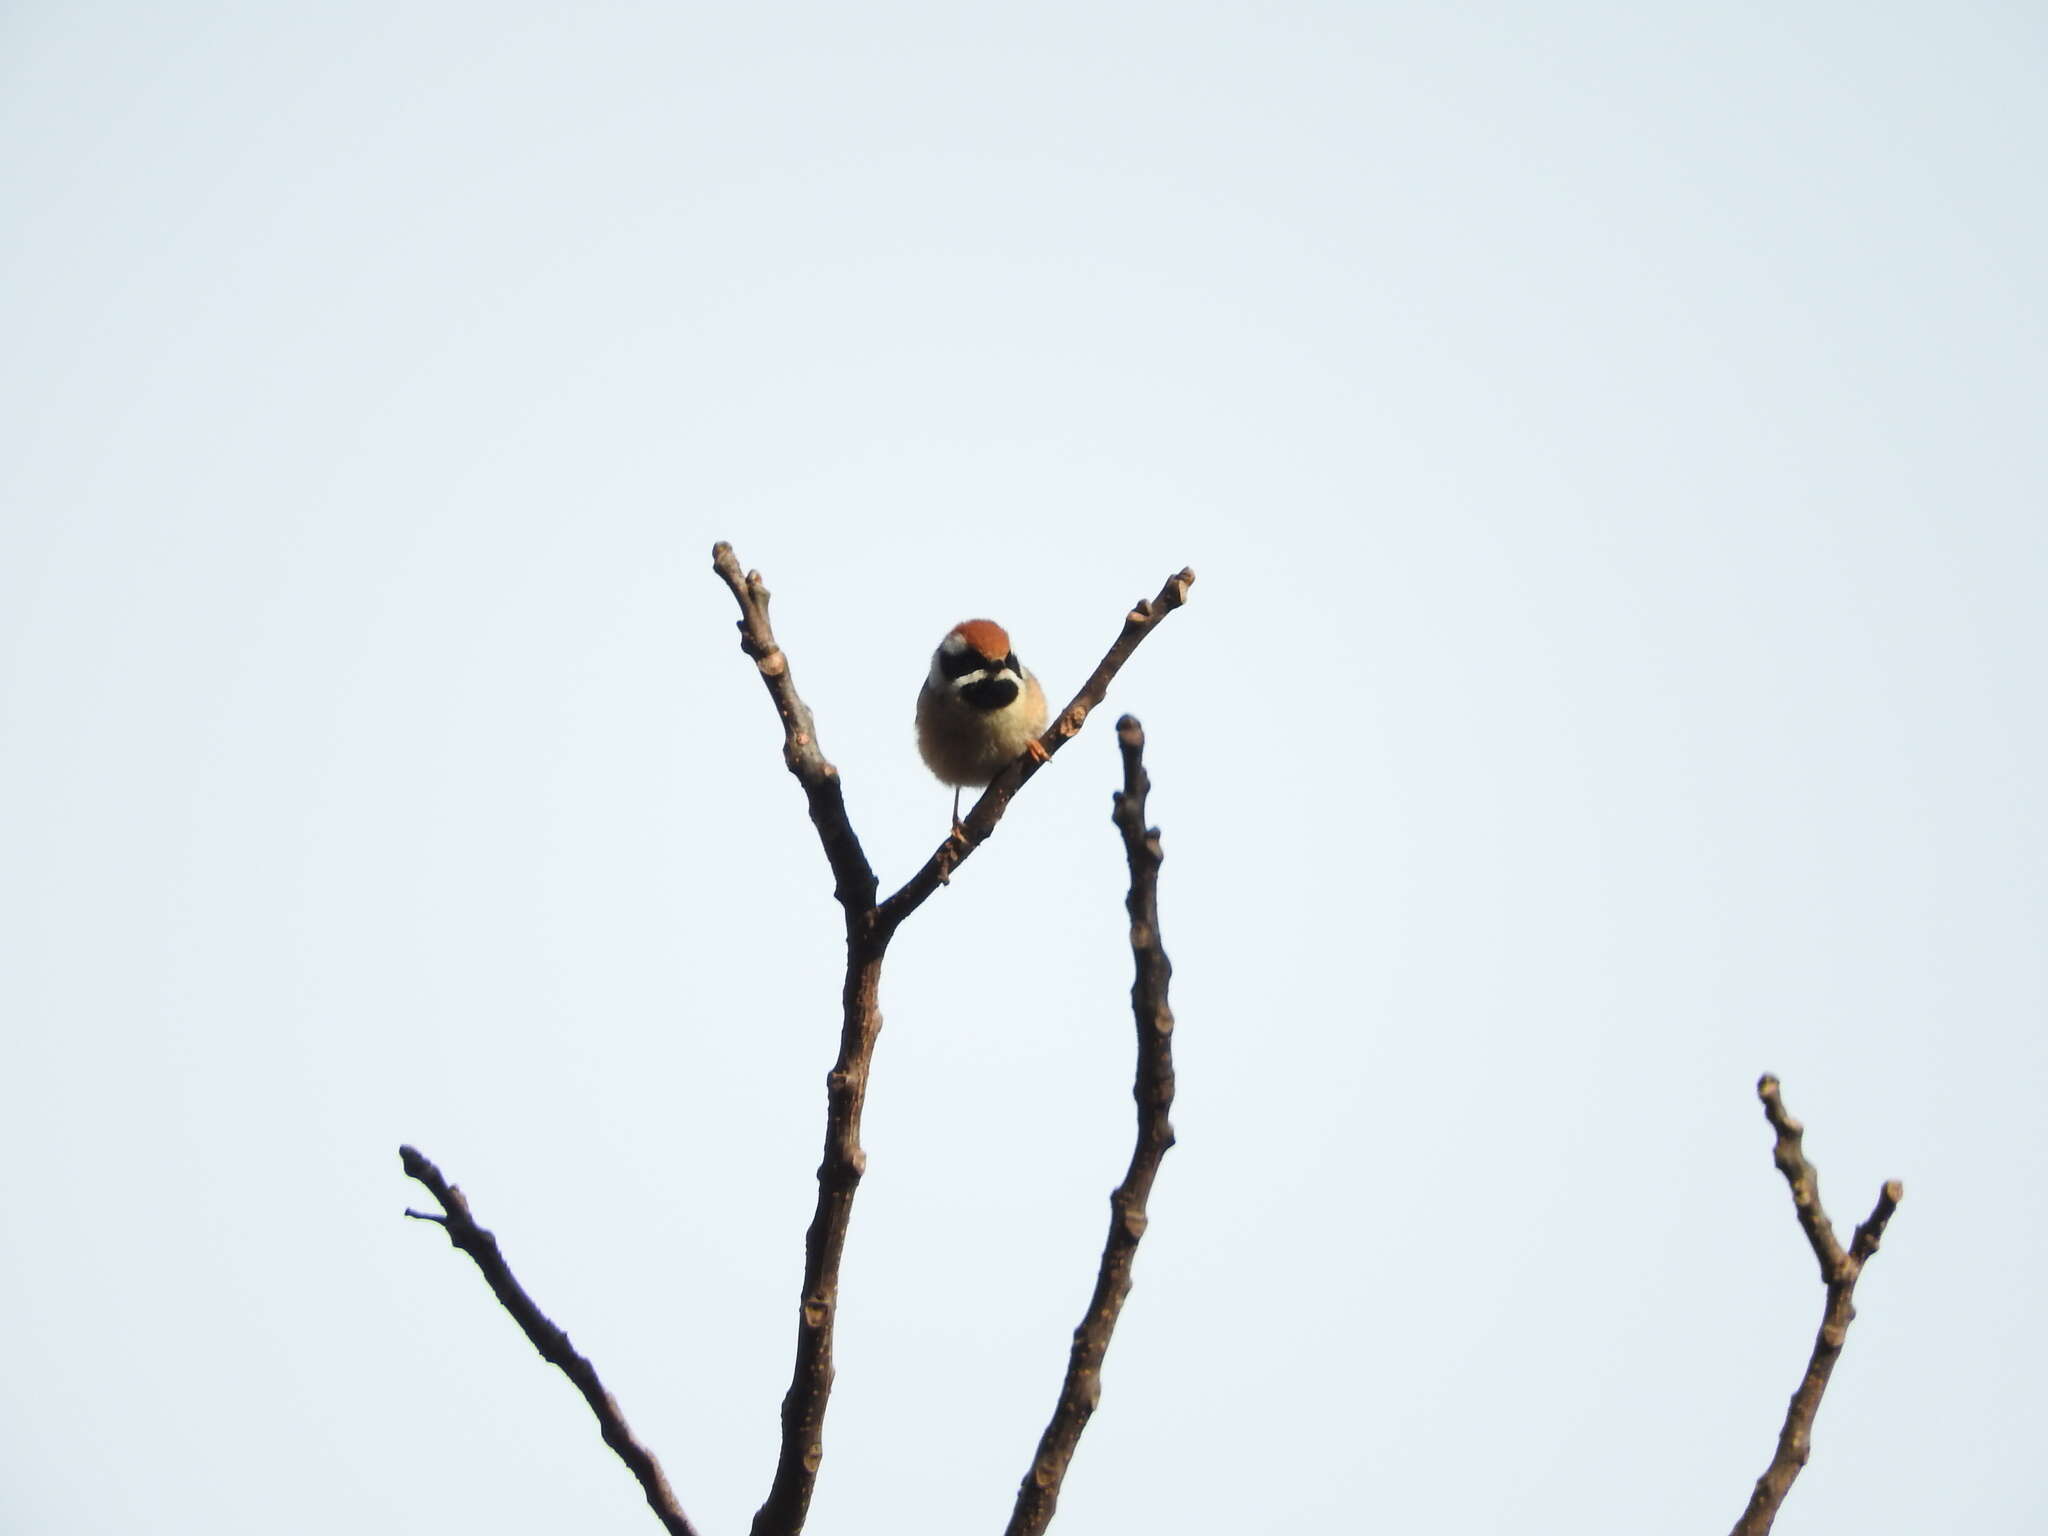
{"x": 986, "y": 636}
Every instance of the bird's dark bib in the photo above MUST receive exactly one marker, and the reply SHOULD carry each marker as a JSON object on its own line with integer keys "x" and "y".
{"x": 991, "y": 693}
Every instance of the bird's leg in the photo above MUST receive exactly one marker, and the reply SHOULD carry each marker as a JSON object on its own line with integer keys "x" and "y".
{"x": 955, "y": 846}
{"x": 1035, "y": 750}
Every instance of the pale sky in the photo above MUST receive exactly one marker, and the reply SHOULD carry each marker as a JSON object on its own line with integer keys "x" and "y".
{"x": 1610, "y": 441}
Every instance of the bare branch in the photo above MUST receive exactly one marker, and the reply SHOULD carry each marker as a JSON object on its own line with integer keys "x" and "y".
{"x": 1840, "y": 1271}
{"x": 551, "y": 1341}
{"x": 854, "y": 878}
{"x": 783, "y": 1511}
{"x": 788, "y": 1503}
{"x": 1082, "y": 1389}
{"x": 868, "y": 931}
{"x": 1788, "y": 1154}
{"x": 988, "y": 810}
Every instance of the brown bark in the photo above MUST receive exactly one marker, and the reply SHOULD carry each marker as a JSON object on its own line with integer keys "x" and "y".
{"x": 1839, "y": 1271}
{"x": 551, "y": 1341}
{"x": 1082, "y": 1390}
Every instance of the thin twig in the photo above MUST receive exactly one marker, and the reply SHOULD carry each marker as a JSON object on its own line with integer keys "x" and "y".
{"x": 1153, "y": 1090}
{"x": 988, "y": 810}
{"x": 1840, "y": 1271}
{"x": 541, "y": 1332}
{"x": 854, "y": 878}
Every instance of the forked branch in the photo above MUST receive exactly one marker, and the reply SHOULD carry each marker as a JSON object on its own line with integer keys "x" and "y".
{"x": 541, "y": 1332}
{"x": 1839, "y": 1271}
{"x": 869, "y": 928}
{"x": 1082, "y": 1389}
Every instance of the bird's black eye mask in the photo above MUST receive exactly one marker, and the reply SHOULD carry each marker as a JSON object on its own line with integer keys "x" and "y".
{"x": 957, "y": 664}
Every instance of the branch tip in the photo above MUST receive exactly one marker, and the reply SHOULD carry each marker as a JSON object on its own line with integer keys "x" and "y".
{"x": 853, "y": 877}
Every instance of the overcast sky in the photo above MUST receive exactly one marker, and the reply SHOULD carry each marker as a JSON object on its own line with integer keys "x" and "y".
{"x": 1610, "y": 439}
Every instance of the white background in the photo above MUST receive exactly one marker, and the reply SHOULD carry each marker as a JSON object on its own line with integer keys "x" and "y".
{"x": 1610, "y": 441}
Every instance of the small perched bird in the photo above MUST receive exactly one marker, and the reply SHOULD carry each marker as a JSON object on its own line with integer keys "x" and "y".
{"x": 979, "y": 708}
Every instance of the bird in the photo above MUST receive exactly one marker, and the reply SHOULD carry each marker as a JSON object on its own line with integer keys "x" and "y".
{"x": 978, "y": 709}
